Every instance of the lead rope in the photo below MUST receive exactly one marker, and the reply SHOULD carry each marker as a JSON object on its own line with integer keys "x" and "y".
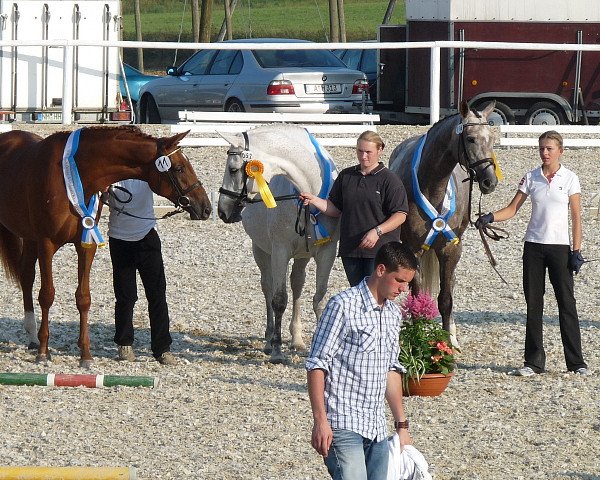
{"x": 489, "y": 230}
{"x": 121, "y": 210}
{"x": 303, "y": 231}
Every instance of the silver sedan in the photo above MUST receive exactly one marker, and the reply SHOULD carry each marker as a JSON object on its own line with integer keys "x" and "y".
{"x": 283, "y": 81}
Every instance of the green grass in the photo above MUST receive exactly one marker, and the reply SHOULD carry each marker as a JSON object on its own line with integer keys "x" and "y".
{"x": 303, "y": 19}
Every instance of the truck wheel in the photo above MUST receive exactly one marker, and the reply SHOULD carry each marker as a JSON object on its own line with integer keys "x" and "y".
{"x": 235, "y": 105}
{"x": 150, "y": 112}
{"x": 545, "y": 113}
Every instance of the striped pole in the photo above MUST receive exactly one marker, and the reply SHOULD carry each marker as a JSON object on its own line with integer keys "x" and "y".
{"x": 68, "y": 473}
{"x": 77, "y": 380}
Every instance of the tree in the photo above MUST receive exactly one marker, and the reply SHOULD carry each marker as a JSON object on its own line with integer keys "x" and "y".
{"x": 206, "y": 21}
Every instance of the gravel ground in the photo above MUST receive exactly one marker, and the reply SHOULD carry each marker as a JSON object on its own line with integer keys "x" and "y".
{"x": 225, "y": 413}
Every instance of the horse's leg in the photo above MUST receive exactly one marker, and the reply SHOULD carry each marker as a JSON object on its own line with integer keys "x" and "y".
{"x": 263, "y": 261}
{"x": 297, "y": 280}
{"x": 279, "y": 263}
{"x": 26, "y": 279}
{"x": 448, "y": 258}
{"x": 46, "y": 251}
{"x": 324, "y": 260}
{"x": 83, "y": 298}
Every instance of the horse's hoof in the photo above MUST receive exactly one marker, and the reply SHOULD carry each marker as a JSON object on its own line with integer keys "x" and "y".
{"x": 43, "y": 359}
{"x": 267, "y": 349}
{"x": 33, "y": 346}
{"x": 277, "y": 358}
{"x": 298, "y": 346}
{"x": 86, "y": 363}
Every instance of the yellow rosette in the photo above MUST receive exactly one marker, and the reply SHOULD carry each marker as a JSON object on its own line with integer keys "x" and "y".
{"x": 497, "y": 169}
{"x": 255, "y": 170}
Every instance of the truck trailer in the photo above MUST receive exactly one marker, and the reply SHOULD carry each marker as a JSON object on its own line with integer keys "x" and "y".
{"x": 31, "y": 77}
{"x": 529, "y": 86}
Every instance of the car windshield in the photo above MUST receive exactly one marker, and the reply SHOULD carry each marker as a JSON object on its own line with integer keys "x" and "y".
{"x": 296, "y": 58}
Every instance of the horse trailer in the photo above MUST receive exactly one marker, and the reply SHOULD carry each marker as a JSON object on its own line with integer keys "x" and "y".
{"x": 31, "y": 76}
{"x": 543, "y": 87}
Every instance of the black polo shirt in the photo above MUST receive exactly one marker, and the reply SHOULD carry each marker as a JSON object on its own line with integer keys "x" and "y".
{"x": 365, "y": 202}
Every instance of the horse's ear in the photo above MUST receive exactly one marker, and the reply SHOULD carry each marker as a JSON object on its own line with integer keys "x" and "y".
{"x": 464, "y": 108}
{"x": 489, "y": 109}
{"x": 235, "y": 140}
{"x": 171, "y": 142}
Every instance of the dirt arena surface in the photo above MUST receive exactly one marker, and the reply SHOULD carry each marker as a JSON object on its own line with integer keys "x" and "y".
{"x": 225, "y": 413}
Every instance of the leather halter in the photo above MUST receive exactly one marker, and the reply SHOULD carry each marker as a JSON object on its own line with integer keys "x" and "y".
{"x": 464, "y": 159}
{"x": 241, "y": 197}
{"x": 182, "y": 200}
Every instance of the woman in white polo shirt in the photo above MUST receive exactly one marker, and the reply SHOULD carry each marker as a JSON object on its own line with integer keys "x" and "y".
{"x": 555, "y": 192}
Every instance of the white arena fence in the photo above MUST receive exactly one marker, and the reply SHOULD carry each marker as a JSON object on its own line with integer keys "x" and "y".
{"x": 435, "y": 47}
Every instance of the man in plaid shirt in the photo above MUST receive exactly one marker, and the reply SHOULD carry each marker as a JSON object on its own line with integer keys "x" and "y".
{"x": 353, "y": 366}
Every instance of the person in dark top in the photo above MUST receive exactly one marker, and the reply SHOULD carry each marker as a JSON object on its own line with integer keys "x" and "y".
{"x": 372, "y": 202}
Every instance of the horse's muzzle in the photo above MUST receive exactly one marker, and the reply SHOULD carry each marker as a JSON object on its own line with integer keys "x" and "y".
{"x": 488, "y": 185}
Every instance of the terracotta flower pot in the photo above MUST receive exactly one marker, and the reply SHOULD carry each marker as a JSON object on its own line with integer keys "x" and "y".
{"x": 430, "y": 385}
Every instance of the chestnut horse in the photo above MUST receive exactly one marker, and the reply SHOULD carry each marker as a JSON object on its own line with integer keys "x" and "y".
{"x": 37, "y": 217}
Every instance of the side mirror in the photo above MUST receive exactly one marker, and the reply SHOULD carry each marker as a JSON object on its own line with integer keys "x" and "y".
{"x": 171, "y": 71}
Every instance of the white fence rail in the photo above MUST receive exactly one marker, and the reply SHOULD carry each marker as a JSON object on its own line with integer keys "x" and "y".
{"x": 576, "y": 136}
{"x": 435, "y": 47}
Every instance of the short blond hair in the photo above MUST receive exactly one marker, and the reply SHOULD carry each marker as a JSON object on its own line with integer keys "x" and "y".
{"x": 373, "y": 137}
{"x": 552, "y": 135}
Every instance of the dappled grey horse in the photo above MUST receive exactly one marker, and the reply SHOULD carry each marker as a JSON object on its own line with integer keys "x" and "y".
{"x": 281, "y": 160}
{"x": 438, "y": 170}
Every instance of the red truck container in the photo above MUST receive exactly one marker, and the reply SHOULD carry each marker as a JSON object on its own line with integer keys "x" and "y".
{"x": 529, "y": 86}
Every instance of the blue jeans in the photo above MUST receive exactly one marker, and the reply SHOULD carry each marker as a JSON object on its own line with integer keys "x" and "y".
{"x": 354, "y": 457}
{"x": 357, "y": 268}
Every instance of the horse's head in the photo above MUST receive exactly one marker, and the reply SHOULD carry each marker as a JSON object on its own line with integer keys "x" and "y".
{"x": 242, "y": 174}
{"x": 476, "y": 146}
{"x": 175, "y": 179}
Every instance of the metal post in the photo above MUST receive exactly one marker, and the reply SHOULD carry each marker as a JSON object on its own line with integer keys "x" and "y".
{"x": 67, "y": 104}
{"x": 434, "y": 86}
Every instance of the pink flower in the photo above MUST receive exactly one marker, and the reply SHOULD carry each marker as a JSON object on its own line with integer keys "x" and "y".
{"x": 443, "y": 347}
{"x": 420, "y": 306}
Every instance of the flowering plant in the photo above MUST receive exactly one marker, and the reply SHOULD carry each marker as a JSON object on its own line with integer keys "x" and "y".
{"x": 425, "y": 347}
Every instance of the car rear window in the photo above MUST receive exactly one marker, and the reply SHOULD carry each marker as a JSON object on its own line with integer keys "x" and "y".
{"x": 296, "y": 58}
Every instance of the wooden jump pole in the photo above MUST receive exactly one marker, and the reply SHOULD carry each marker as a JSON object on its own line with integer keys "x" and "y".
{"x": 76, "y": 380}
{"x": 68, "y": 473}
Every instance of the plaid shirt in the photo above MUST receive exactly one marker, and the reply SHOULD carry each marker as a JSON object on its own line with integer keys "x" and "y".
{"x": 356, "y": 344}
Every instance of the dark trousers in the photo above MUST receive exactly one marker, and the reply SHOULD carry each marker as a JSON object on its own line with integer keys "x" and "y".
{"x": 145, "y": 257}
{"x": 357, "y": 268}
{"x": 536, "y": 259}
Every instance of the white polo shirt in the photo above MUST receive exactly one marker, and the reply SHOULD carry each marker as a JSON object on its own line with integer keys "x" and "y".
{"x": 549, "y": 222}
{"x": 124, "y": 227}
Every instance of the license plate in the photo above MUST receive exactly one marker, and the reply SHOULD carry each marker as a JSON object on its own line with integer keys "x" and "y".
{"x": 49, "y": 117}
{"x": 324, "y": 88}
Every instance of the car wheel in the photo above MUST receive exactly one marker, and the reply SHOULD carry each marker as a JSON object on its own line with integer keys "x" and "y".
{"x": 235, "y": 105}
{"x": 545, "y": 113}
{"x": 150, "y": 112}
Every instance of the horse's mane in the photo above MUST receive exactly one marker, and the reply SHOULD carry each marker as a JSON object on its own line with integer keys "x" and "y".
{"x": 121, "y": 131}
{"x": 454, "y": 115}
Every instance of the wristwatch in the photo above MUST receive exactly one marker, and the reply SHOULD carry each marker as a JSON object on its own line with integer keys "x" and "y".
{"x": 398, "y": 424}
{"x": 378, "y": 230}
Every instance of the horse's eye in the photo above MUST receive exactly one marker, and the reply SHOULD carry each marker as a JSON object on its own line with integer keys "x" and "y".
{"x": 471, "y": 139}
{"x": 178, "y": 168}
{"x": 233, "y": 170}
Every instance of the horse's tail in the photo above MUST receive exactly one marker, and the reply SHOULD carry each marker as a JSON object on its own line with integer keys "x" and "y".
{"x": 11, "y": 249}
{"x": 430, "y": 273}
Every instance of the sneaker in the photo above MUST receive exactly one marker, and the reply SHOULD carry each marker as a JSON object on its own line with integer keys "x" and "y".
{"x": 582, "y": 371}
{"x": 125, "y": 353}
{"x": 167, "y": 358}
{"x": 522, "y": 372}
